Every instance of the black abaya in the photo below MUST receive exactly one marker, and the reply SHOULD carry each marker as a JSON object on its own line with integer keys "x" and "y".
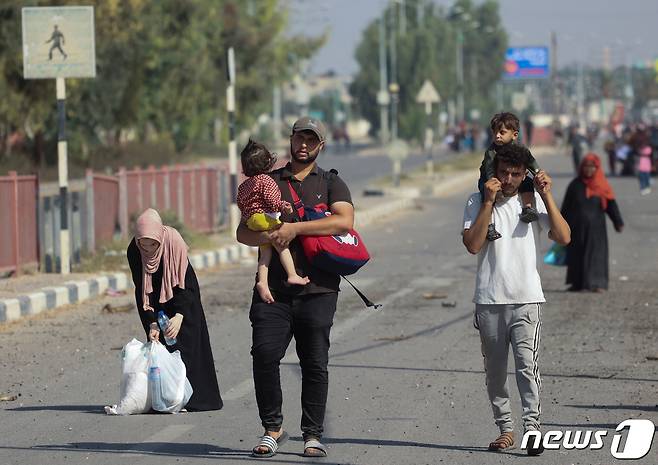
{"x": 193, "y": 340}
{"x": 587, "y": 253}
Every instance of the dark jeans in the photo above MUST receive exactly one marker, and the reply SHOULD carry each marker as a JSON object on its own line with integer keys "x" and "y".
{"x": 309, "y": 319}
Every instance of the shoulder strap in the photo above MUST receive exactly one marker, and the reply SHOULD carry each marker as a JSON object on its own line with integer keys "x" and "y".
{"x": 299, "y": 206}
{"x": 366, "y": 301}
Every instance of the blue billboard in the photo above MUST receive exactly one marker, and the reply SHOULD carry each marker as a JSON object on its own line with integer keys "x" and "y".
{"x": 526, "y": 63}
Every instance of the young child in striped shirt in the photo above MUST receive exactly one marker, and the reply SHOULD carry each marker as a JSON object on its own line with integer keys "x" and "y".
{"x": 261, "y": 205}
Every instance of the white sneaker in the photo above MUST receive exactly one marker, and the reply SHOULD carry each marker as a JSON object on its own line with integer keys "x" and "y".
{"x": 645, "y": 191}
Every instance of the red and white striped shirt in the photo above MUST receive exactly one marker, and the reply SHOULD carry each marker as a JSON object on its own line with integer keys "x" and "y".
{"x": 260, "y": 194}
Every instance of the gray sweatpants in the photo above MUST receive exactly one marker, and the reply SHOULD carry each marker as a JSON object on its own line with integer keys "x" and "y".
{"x": 518, "y": 325}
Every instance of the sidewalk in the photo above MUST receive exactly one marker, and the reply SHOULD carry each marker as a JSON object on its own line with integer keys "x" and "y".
{"x": 33, "y": 294}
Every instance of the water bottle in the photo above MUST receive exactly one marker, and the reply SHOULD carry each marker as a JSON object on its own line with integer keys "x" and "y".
{"x": 163, "y": 322}
{"x": 156, "y": 389}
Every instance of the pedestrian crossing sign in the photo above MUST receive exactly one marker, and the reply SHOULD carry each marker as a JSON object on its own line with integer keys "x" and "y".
{"x": 58, "y": 42}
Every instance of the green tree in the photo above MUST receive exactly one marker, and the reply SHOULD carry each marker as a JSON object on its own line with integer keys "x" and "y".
{"x": 427, "y": 50}
{"x": 160, "y": 72}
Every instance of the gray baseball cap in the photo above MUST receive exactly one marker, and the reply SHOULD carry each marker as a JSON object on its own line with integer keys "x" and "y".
{"x": 306, "y": 123}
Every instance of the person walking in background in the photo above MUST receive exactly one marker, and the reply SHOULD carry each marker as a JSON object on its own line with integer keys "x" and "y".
{"x": 644, "y": 167}
{"x": 610, "y": 149}
{"x": 528, "y": 127}
{"x": 579, "y": 146}
{"x": 588, "y": 199}
{"x": 165, "y": 281}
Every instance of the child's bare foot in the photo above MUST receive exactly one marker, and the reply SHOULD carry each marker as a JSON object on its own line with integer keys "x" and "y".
{"x": 298, "y": 280}
{"x": 264, "y": 293}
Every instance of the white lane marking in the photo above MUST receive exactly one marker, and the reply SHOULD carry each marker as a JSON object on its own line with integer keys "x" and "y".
{"x": 163, "y": 437}
{"x": 247, "y": 386}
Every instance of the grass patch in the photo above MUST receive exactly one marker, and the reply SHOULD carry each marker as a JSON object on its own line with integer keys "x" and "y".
{"x": 463, "y": 162}
{"x": 111, "y": 256}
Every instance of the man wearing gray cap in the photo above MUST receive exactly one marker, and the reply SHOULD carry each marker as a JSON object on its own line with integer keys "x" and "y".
{"x": 305, "y": 312}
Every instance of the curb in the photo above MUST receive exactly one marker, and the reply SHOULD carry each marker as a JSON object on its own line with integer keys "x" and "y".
{"x": 373, "y": 214}
{"x": 73, "y": 292}
{"x": 56, "y": 296}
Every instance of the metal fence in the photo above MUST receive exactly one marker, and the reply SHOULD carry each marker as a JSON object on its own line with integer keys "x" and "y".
{"x": 101, "y": 208}
{"x": 18, "y": 222}
{"x": 196, "y": 194}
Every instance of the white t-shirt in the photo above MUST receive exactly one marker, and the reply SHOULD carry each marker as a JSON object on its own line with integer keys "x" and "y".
{"x": 508, "y": 270}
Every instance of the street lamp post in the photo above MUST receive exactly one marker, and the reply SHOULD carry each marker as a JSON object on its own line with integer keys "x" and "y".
{"x": 394, "y": 90}
{"x": 460, "y": 74}
{"x": 394, "y": 87}
{"x": 383, "y": 99}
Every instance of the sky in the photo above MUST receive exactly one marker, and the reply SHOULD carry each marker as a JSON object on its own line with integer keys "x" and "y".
{"x": 583, "y": 27}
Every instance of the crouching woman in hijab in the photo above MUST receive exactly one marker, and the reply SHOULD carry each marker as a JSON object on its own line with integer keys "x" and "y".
{"x": 165, "y": 280}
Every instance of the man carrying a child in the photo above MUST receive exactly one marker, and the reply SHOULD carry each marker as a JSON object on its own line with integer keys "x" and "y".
{"x": 508, "y": 292}
{"x": 305, "y": 312}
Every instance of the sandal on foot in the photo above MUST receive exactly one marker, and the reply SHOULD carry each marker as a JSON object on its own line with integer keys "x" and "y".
{"x": 314, "y": 448}
{"x": 503, "y": 442}
{"x": 492, "y": 234}
{"x": 529, "y": 214}
{"x": 269, "y": 443}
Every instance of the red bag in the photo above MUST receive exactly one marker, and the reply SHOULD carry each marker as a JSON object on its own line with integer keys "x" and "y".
{"x": 341, "y": 255}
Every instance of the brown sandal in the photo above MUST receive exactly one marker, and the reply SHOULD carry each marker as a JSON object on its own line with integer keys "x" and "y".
{"x": 503, "y": 442}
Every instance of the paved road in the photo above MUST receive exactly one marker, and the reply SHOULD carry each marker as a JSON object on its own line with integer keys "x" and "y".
{"x": 358, "y": 171}
{"x": 406, "y": 382}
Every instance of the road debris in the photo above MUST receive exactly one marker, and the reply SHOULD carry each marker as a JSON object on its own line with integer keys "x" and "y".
{"x": 434, "y": 295}
{"x": 109, "y": 308}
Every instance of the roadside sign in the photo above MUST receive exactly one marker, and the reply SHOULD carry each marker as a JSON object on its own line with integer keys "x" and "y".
{"x": 526, "y": 63}
{"x": 58, "y": 42}
{"x": 398, "y": 150}
{"x": 383, "y": 98}
{"x": 519, "y": 101}
{"x": 428, "y": 95}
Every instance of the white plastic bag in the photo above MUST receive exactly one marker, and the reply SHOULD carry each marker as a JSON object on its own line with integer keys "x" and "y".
{"x": 135, "y": 394}
{"x": 168, "y": 383}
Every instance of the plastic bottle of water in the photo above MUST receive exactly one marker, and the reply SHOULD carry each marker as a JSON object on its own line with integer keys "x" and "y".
{"x": 163, "y": 322}
{"x": 156, "y": 389}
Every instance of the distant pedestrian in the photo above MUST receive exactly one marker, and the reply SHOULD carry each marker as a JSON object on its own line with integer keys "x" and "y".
{"x": 579, "y": 146}
{"x": 165, "y": 281}
{"x": 508, "y": 292}
{"x": 588, "y": 199}
{"x": 528, "y": 127}
{"x": 57, "y": 38}
{"x": 610, "y": 149}
{"x": 303, "y": 312}
{"x": 644, "y": 168}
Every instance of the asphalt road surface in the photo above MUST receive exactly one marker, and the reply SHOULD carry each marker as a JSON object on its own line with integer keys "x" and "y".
{"x": 406, "y": 381}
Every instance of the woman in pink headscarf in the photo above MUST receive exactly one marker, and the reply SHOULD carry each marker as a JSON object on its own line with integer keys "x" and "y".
{"x": 165, "y": 281}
